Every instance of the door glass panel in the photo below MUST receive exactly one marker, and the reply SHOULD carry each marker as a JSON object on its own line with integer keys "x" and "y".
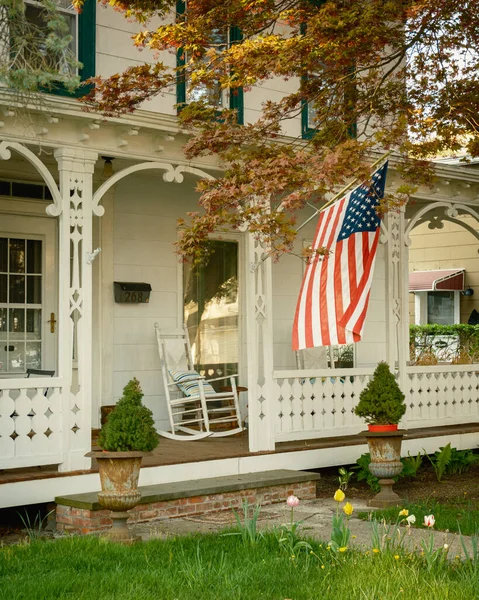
{"x": 16, "y": 357}
{"x": 34, "y": 289}
{"x": 34, "y": 355}
{"x": 17, "y": 289}
{"x": 17, "y": 321}
{"x": 17, "y": 256}
{"x": 34, "y": 256}
{"x": 211, "y": 311}
{"x": 3, "y": 288}
{"x": 3, "y": 255}
{"x": 34, "y": 324}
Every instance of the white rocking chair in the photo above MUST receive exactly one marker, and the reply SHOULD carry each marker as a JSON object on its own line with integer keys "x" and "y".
{"x": 195, "y": 409}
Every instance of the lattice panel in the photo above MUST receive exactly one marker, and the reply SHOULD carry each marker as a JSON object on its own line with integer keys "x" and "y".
{"x": 30, "y": 426}
{"x": 442, "y": 398}
{"x": 322, "y": 406}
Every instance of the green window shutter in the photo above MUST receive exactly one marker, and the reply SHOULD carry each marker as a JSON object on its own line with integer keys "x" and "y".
{"x": 180, "y": 62}
{"x": 237, "y": 95}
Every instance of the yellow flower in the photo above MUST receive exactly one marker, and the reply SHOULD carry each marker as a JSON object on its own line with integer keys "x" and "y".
{"x": 322, "y": 566}
{"x": 339, "y": 495}
{"x": 375, "y": 550}
{"x": 348, "y": 509}
{"x": 396, "y": 556}
{"x": 404, "y": 512}
{"x": 343, "y": 549}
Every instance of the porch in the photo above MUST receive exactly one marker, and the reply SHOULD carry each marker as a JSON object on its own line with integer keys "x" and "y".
{"x": 176, "y": 461}
{"x": 297, "y": 418}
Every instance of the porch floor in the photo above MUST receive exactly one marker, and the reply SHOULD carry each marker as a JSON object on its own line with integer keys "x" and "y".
{"x": 171, "y": 452}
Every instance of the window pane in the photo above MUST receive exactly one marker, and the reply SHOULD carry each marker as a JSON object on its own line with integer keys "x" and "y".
{"x": 211, "y": 311}
{"x": 3, "y": 255}
{"x": 34, "y": 355}
{"x": 16, "y": 357}
{"x": 34, "y": 289}
{"x": 16, "y": 322}
{"x": 34, "y": 324}
{"x": 3, "y": 357}
{"x": 3, "y": 288}
{"x": 17, "y": 256}
{"x": 440, "y": 308}
{"x": 17, "y": 289}
{"x": 34, "y": 256}
{"x": 3, "y": 323}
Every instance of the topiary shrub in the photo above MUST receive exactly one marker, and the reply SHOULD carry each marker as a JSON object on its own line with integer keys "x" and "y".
{"x": 381, "y": 402}
{"x": 130, "y": 425}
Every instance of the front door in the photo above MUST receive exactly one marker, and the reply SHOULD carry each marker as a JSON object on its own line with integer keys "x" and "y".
{"x": 28, "y": 292}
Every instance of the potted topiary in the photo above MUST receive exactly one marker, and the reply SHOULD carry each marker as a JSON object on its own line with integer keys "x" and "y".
{"x": 126, "y": 437}
{"x": 381, "y": 404}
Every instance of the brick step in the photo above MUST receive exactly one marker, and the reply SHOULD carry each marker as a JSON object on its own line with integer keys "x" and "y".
{"x": 83, "y": 514}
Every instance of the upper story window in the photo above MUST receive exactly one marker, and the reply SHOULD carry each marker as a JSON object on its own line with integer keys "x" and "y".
{"x": 213, "y": 95}
{"x": 31, "y": 50}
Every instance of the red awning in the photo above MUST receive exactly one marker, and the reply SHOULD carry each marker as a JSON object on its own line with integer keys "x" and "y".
{"x": 430, "y": 281}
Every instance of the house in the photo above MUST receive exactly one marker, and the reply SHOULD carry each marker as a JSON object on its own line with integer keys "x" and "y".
{"x": 87, "y": 201}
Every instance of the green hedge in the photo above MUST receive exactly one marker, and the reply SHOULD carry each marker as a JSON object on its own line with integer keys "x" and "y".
{"x": 456, "y": 343}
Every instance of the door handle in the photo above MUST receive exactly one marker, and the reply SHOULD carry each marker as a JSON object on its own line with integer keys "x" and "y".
{"x": 52, "y": 322}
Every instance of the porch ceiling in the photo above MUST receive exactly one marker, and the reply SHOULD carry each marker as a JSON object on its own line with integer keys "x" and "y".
{"x": 430, "y": 281}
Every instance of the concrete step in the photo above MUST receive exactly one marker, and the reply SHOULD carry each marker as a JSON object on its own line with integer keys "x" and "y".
{"x": 83, "y": 513}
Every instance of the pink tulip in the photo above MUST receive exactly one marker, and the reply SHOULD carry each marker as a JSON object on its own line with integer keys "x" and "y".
{"x": 292, "y": 501}
{"x": 429, "y": 521}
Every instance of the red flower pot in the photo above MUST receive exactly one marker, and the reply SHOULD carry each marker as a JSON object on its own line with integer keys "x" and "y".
{"x": 380, "y": 428}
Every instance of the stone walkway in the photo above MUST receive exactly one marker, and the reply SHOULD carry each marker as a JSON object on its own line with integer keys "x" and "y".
{"x": 316, "y": 518}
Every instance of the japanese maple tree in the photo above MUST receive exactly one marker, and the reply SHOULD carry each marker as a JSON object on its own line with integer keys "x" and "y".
{"x": 377, "y": 74}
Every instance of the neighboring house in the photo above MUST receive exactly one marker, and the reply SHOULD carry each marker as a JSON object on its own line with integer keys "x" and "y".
{"x": 445, "y": 252}
{"x": 59, "y": 202}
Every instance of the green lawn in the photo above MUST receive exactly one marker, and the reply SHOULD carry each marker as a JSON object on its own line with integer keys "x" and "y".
{"x": 220, "y": 567}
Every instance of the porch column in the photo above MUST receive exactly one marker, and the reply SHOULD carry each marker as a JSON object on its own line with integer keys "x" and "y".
{"x": 75, "y": 302}
{"x": 397, "y": 350}
{"x": 259, "y": 332}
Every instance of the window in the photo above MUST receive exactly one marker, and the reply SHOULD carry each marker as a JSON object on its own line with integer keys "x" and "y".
{"x": 441, "y": 307}
{"x": 211, "y": 311}
{"x": 82, "y": 29}
{"x": 21, "y": 284}
{"x": 309, "y": 114}
{"x": 213, "y": 96}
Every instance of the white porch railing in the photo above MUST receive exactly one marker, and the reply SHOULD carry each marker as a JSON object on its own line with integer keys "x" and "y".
{"x": 30, "y": 422}
{"x": 320, "y": 403}
{"x": 317, "y": 403}
{"x": 442, "y": 395}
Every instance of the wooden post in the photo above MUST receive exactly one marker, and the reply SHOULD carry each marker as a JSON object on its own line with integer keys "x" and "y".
{"x": 259, "y": 323}
{"x": 75, "y": 302}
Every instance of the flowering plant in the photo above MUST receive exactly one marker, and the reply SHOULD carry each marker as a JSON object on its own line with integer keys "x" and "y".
{"x": 340, "y": 533}
{"x": 288, "y": 538}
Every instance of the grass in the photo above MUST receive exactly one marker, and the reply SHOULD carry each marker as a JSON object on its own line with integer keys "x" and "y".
{"x": 463, "y": 514}
{"x": 218, "y": 567}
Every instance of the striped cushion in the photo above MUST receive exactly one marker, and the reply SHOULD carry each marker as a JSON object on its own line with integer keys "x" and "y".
{"x": 187, "y": 381}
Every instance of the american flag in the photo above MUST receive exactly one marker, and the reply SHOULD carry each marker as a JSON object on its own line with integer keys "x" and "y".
{"x": 334, "y": 295}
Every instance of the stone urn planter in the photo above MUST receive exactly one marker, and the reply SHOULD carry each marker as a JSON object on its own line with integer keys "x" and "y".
{"x": 385, "y": 452}
{"x": 119, "y": 474}
{"x": 382, "y": 406}
{"x": 127, "y": 436}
